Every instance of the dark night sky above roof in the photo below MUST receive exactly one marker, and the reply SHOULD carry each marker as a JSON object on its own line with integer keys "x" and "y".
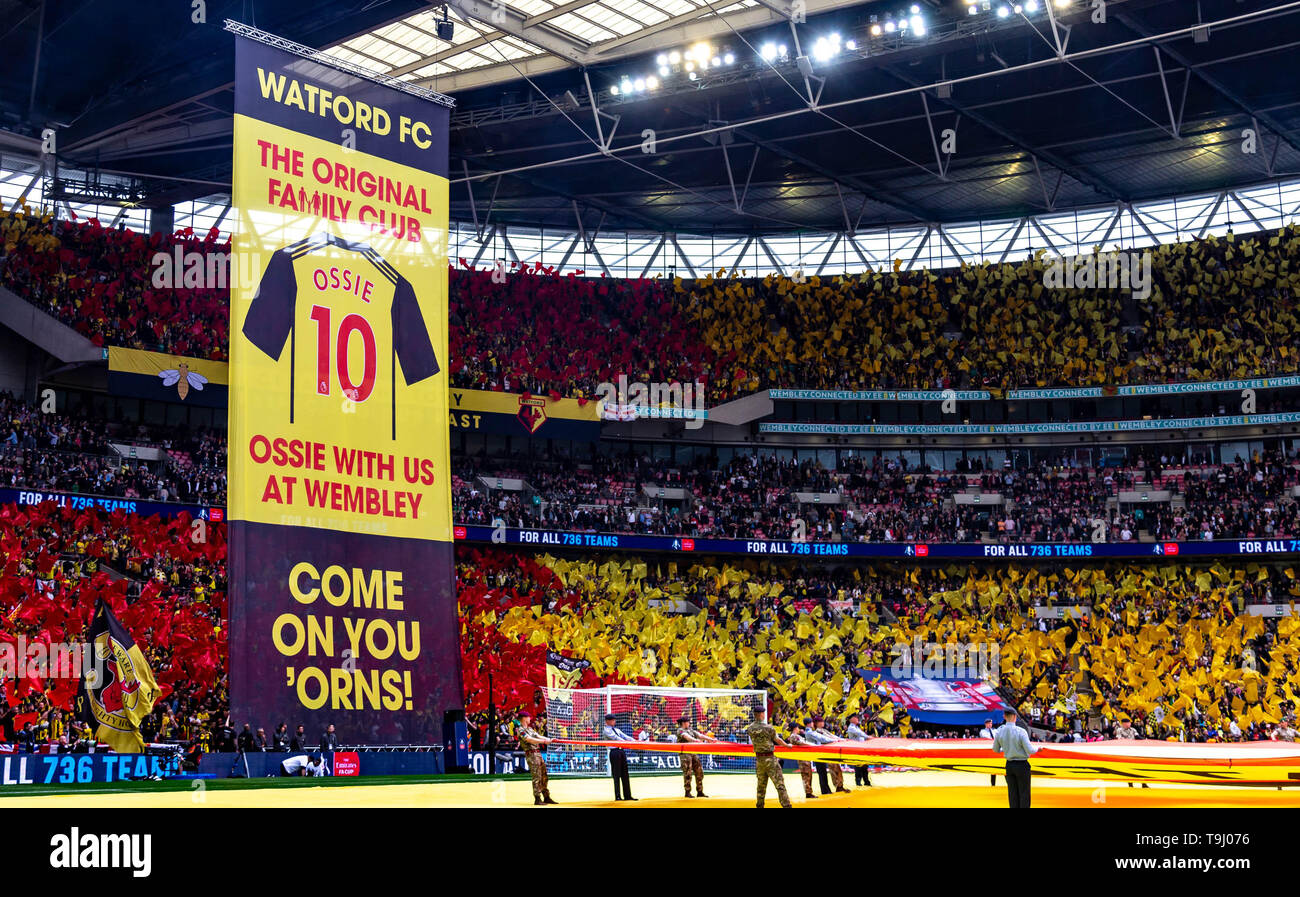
{"x": 136, "y": 90}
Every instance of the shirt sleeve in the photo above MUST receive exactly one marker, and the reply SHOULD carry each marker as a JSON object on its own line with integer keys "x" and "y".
{"x": 411, "y": 336}
{"x": 270, "y": 316}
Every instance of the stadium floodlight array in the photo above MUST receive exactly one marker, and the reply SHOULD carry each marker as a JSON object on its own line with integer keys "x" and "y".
{"x": 648, "y": 715}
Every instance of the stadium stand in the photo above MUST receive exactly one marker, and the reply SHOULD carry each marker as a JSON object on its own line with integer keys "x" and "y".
{"x": 1157, "y": 639}
{"x": 496, "y": 404}
{"x": 755, "y": 496}
{"x": 53, "y": 554}
{"x": 99, "y": 281}
{"x": 75, "y": 453}
{"x": 883, "y": 501}
{"x": 988, "y": 326}
{"x": 828, "y": 623}
{"x": 56, "y": 563}
{"x": 1219, "y": 308}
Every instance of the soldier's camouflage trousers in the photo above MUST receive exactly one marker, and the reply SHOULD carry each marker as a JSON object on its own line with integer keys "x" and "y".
{"x": 806, "y": 773}
{"x": 692, "y": 762}
{"x": 770, "y": 768}
{"x": 537, "y": 767}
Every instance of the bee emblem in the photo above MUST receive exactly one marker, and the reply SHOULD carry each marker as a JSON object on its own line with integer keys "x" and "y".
{"x": 183, "y": 378}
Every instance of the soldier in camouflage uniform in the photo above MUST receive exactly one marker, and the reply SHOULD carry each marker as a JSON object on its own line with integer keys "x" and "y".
{"x": 805, "y": 766}
{"x": 691, "y": 762}
{"x": 531, "y": 741}
{"x": 764, "y": 738}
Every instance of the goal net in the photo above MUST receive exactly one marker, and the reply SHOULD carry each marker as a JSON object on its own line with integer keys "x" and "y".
{"x": 645, "y": 715}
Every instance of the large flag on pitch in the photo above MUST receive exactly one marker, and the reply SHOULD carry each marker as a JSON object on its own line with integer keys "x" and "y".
{"x": 118, "y": 689}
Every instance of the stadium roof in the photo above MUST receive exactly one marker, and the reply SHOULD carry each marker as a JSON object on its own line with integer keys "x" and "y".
{"x": 491, "y": 44}
{"x": 967, "y": 116}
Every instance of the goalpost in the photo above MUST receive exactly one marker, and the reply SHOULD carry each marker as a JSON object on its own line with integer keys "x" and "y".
{"x": 648, "y": 715}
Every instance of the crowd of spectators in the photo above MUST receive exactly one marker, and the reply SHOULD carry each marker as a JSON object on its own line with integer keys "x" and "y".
{"x": 1165, "y": 646}
{"x": 68, "y": 453}
{"x": 882, "y": 500}
{"x": 561, "y": 336}
{"x": 25, "y": 426}
{"x": 875, "y": 499}
{"x": 198, "y": 466}
{"x": 169, "y": 591}
{"x": 100, "y": 281}
{"x": 1219, "y": 308}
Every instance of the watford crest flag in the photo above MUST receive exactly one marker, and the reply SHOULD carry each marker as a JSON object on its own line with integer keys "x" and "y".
{"x": 117, "y": 689}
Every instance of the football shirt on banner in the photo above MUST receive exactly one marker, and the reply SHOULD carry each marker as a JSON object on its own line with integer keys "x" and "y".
{"x": 349, "y": 319}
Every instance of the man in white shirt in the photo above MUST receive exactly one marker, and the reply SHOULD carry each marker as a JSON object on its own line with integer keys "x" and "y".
{"x": 618, "y": 759}
{"x": 987, "y": 732}
{"x": 1013, "y": 743}
{"x": 819, "y": 734}
{"x": 302, "y": 765}
{"x": 855, "y": 732}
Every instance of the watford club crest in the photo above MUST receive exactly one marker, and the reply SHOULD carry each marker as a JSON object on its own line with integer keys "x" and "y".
{"x": 119, "y": 689}
{"x": 532, "y": 412}
{"x": 110, "y": 690}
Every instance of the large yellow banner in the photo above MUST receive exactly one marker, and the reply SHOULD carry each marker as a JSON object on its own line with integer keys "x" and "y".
{"x": 339, "y": 352}
{"x": 343, "y": 608}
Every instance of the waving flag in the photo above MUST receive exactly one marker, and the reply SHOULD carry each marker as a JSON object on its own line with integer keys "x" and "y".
{"x": 562, "y": 671}
{"x": 118, "y": 690}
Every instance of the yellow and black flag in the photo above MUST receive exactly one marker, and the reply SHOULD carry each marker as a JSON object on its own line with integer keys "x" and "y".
{"x": 118, "y": 689}
{"x": 563, "y": 672}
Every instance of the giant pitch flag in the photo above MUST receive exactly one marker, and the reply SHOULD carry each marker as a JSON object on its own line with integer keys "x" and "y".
{"x": 118, "y": 689}
{"x": 342, "y": 603}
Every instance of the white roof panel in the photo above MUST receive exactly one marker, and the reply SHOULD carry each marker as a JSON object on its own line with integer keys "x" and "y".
{"x": 410, "y": 49}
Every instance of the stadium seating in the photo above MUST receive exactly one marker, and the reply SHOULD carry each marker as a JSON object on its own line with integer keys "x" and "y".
{"x": 881, "y": 500}
{"x": 1219, "y": 308}
{"x": 1166, "y": 646}
{"x": 560, "y": 336}
{"x": 70, "y": 453}
{"x": 165, "y": 587}
{"x": 99, "y": 281}
{"x": 1155, "y": 636}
